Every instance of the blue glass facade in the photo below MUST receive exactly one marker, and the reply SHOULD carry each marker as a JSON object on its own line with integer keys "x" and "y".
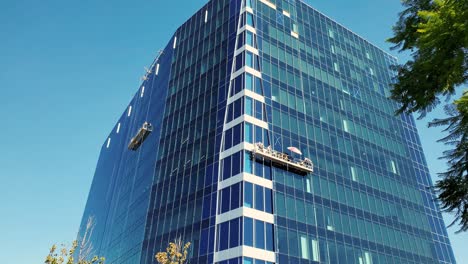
{"x": 242, "y": 78}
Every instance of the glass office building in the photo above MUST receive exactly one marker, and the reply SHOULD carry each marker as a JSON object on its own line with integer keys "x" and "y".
{"x": 217, "y": 146}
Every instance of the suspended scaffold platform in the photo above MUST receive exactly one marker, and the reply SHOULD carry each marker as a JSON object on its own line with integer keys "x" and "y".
{"x": 283, "y": 159}
{"x": 141, "y": 135}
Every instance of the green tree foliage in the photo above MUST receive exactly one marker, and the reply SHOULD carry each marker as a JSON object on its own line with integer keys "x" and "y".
{"x": 65, "y": 256}
{"x": 453, "y": 189}
{"x": 436, "y": 32}
{"x": 176, "y": 253}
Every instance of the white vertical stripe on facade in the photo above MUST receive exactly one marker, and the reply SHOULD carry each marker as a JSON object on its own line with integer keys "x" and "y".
{"x": 118, "y": 128}
{"x": 242, "y": 211}
{"x": 108, "y": 142}
{"x": 129, "y": 111}
{"x": 217, "y": 254}
{"x": 157, "y": 69}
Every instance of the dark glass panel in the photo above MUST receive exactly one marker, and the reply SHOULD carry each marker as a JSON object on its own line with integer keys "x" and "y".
{"x": 259, "y": 234}
{"x": 235, "y": 196}
{"x": 268, "y": 201}
{"x": 248, "y": 231}
{"x": 223, "y": 240}
{"x": 248, "y": 194}
{"x": 234, "y": 232}
{"x": 259, "y": 199}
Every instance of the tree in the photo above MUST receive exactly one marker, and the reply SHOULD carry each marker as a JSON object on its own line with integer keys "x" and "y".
{"x": 80, "y": 250}
{"x": 436, "y": 32}
{"x": 176, "y": 253}
{"x": 65, "y": 256}
{"x": 454, "y": 187}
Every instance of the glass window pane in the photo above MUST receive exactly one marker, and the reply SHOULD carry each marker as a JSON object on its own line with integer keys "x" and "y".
{"x": 259, "y": 198}
{"x": 227, "y": 168}
{"x": 282, "y": 236}
{"x": 258, "y": 83}
{"x": 249, "y": 38}
{"x": 250, "y": 19}
{"x": 248, "y": 133}
{"x": 225, "y": 201}
{"x": 235, "y": 193}
{"x": 224, "y": 229}
{"x": 249, "y": 81}
{"x": 275, "y": 93}
{"x": 258, "y": 168}
{"x": 259, "y": 234}
{"x": 291, "y": 207}
{"x": 249, "y": 59}
{"x": 203, "y": 242}
{"x": 293, "y": 243}
{"x": 228, "y": 139}
{"x": 280, "y": 204}
{"x": 248, "y": 106}
{"x": 247, "y": 162}
{"x": 301, "y": 214}
{"x": 268, "y": 201}
{"x": 248, "y": 194}
{"x": 304, "y": 247}
{"x": 236, "y": 163}
{"x": 248, "y": 231}
{"x": 258, "y": 110}
{"x": 237, "y": 108}
{"x": 258, "y": 134}
{"x": 315, "y": 250}
{"x": 234, "y": 233}
{"x": 269, "y": 237}
{"x": 240, "y": 41}
{"x": 236, "y": 135}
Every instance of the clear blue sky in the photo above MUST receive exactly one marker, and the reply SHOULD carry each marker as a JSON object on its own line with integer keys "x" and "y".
{"x": 67, "y": 71}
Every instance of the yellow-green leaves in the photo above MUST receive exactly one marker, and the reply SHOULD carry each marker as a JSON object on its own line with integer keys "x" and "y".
{"x": 176, "y": 253}
{"x": 65, "y": 256}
